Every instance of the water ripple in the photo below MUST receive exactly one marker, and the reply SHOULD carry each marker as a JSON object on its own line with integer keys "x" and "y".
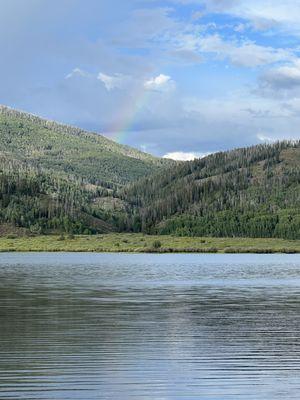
{"x": 107, "y": 326}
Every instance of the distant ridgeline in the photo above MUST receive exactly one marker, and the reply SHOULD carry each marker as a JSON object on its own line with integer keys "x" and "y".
{"x": 57, "y": 178}
{"x": 63, "y": 148}
{"x": 249, "y": 192}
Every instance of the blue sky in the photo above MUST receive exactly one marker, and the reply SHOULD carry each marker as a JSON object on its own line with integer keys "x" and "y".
{"x": 180, "y": 78}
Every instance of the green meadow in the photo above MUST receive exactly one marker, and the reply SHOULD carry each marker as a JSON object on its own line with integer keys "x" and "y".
{"x": 139, "y": 243}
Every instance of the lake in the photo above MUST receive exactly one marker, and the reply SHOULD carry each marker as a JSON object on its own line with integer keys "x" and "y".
{"x": 142, "y": 326}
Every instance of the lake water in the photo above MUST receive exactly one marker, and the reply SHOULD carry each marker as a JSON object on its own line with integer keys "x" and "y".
{"x": 124, "y": 326}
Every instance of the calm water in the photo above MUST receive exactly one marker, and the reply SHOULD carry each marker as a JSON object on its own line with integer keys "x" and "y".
{"x": 107, "y": 326}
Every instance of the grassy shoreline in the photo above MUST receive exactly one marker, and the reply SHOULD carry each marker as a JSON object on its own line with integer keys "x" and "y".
{"x": 139, "y": 243}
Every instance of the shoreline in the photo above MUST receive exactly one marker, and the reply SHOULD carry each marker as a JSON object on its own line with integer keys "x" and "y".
{"x": 139, "y": 243}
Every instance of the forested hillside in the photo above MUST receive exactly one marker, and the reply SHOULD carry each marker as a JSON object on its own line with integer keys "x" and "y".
{"x": 52, "y": 175}
{"x": 252, "y": 192}
{"x": 62, "y": 148}
{"x": 56, "y": 178}
{"x": 43, "y": 202}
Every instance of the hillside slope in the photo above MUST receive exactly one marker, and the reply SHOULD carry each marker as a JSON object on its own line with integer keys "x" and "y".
{"x": 56, "y": 178}
{"x": 52, "y": 176}
{"x": 64, "y": 148}
{"x": 251, "y": 192}
{"x": 38, "y": 201}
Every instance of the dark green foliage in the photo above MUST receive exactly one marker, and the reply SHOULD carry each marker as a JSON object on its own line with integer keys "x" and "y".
{"x": 40, "y": 201}
{"x": 156, "y": 244}
{"x": 56, "y": 178}
{"x": 52, "y": 175}
{"x": 252, "y": 192}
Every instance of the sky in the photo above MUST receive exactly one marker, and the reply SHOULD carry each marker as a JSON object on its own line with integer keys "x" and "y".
{"x": 177, "y": 78}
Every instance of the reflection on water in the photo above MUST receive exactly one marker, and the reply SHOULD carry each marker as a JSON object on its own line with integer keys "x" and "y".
{"x": 107, "y": 326}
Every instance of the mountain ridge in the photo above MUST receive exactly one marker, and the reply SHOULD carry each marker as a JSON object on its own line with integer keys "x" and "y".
{"x": 59, "y": 178}
{"x": 253, "y": 191}
{"x": 43, "y": 143}
{"x": 52, "y": 174}
{"x": 73, "y": 129}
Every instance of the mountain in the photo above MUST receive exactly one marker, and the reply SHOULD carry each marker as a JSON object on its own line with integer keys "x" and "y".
{"x": 52, "y": 175}
{"x": 252, "y": 192}
{"x": 57, "y": 178}
{"x": 73, "y": 151}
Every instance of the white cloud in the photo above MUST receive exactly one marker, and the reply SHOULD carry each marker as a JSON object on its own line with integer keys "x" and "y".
{"x": 245, "y": 53}
{"x": 160, "y": 83}
{"x": 76, "y": 72}
{"x": 194, "y": 39}
{"x": 264, "y": 138}
{"x": 185, "y": 156}
{"x": 263, "y": 14}
{"x": 240, "y": 28}
{"x": 286, "y": 77}
{"x": 225, "y": 111}
{"x": 196, "y": 15}
{"x": 116, "y": 81}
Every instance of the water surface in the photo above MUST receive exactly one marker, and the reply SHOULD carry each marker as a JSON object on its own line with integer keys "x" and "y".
{"x": 124, "y": 326}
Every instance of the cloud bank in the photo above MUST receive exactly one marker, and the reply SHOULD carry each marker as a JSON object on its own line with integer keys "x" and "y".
{"x": 181, "y": 77}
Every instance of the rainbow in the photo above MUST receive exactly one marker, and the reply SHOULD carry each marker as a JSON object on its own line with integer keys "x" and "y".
{"x": 122, "y": 126}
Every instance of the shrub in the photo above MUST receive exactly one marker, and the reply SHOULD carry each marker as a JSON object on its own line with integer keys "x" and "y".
{"x": 11, "y": 236}
{"x": 156, "y": 244}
